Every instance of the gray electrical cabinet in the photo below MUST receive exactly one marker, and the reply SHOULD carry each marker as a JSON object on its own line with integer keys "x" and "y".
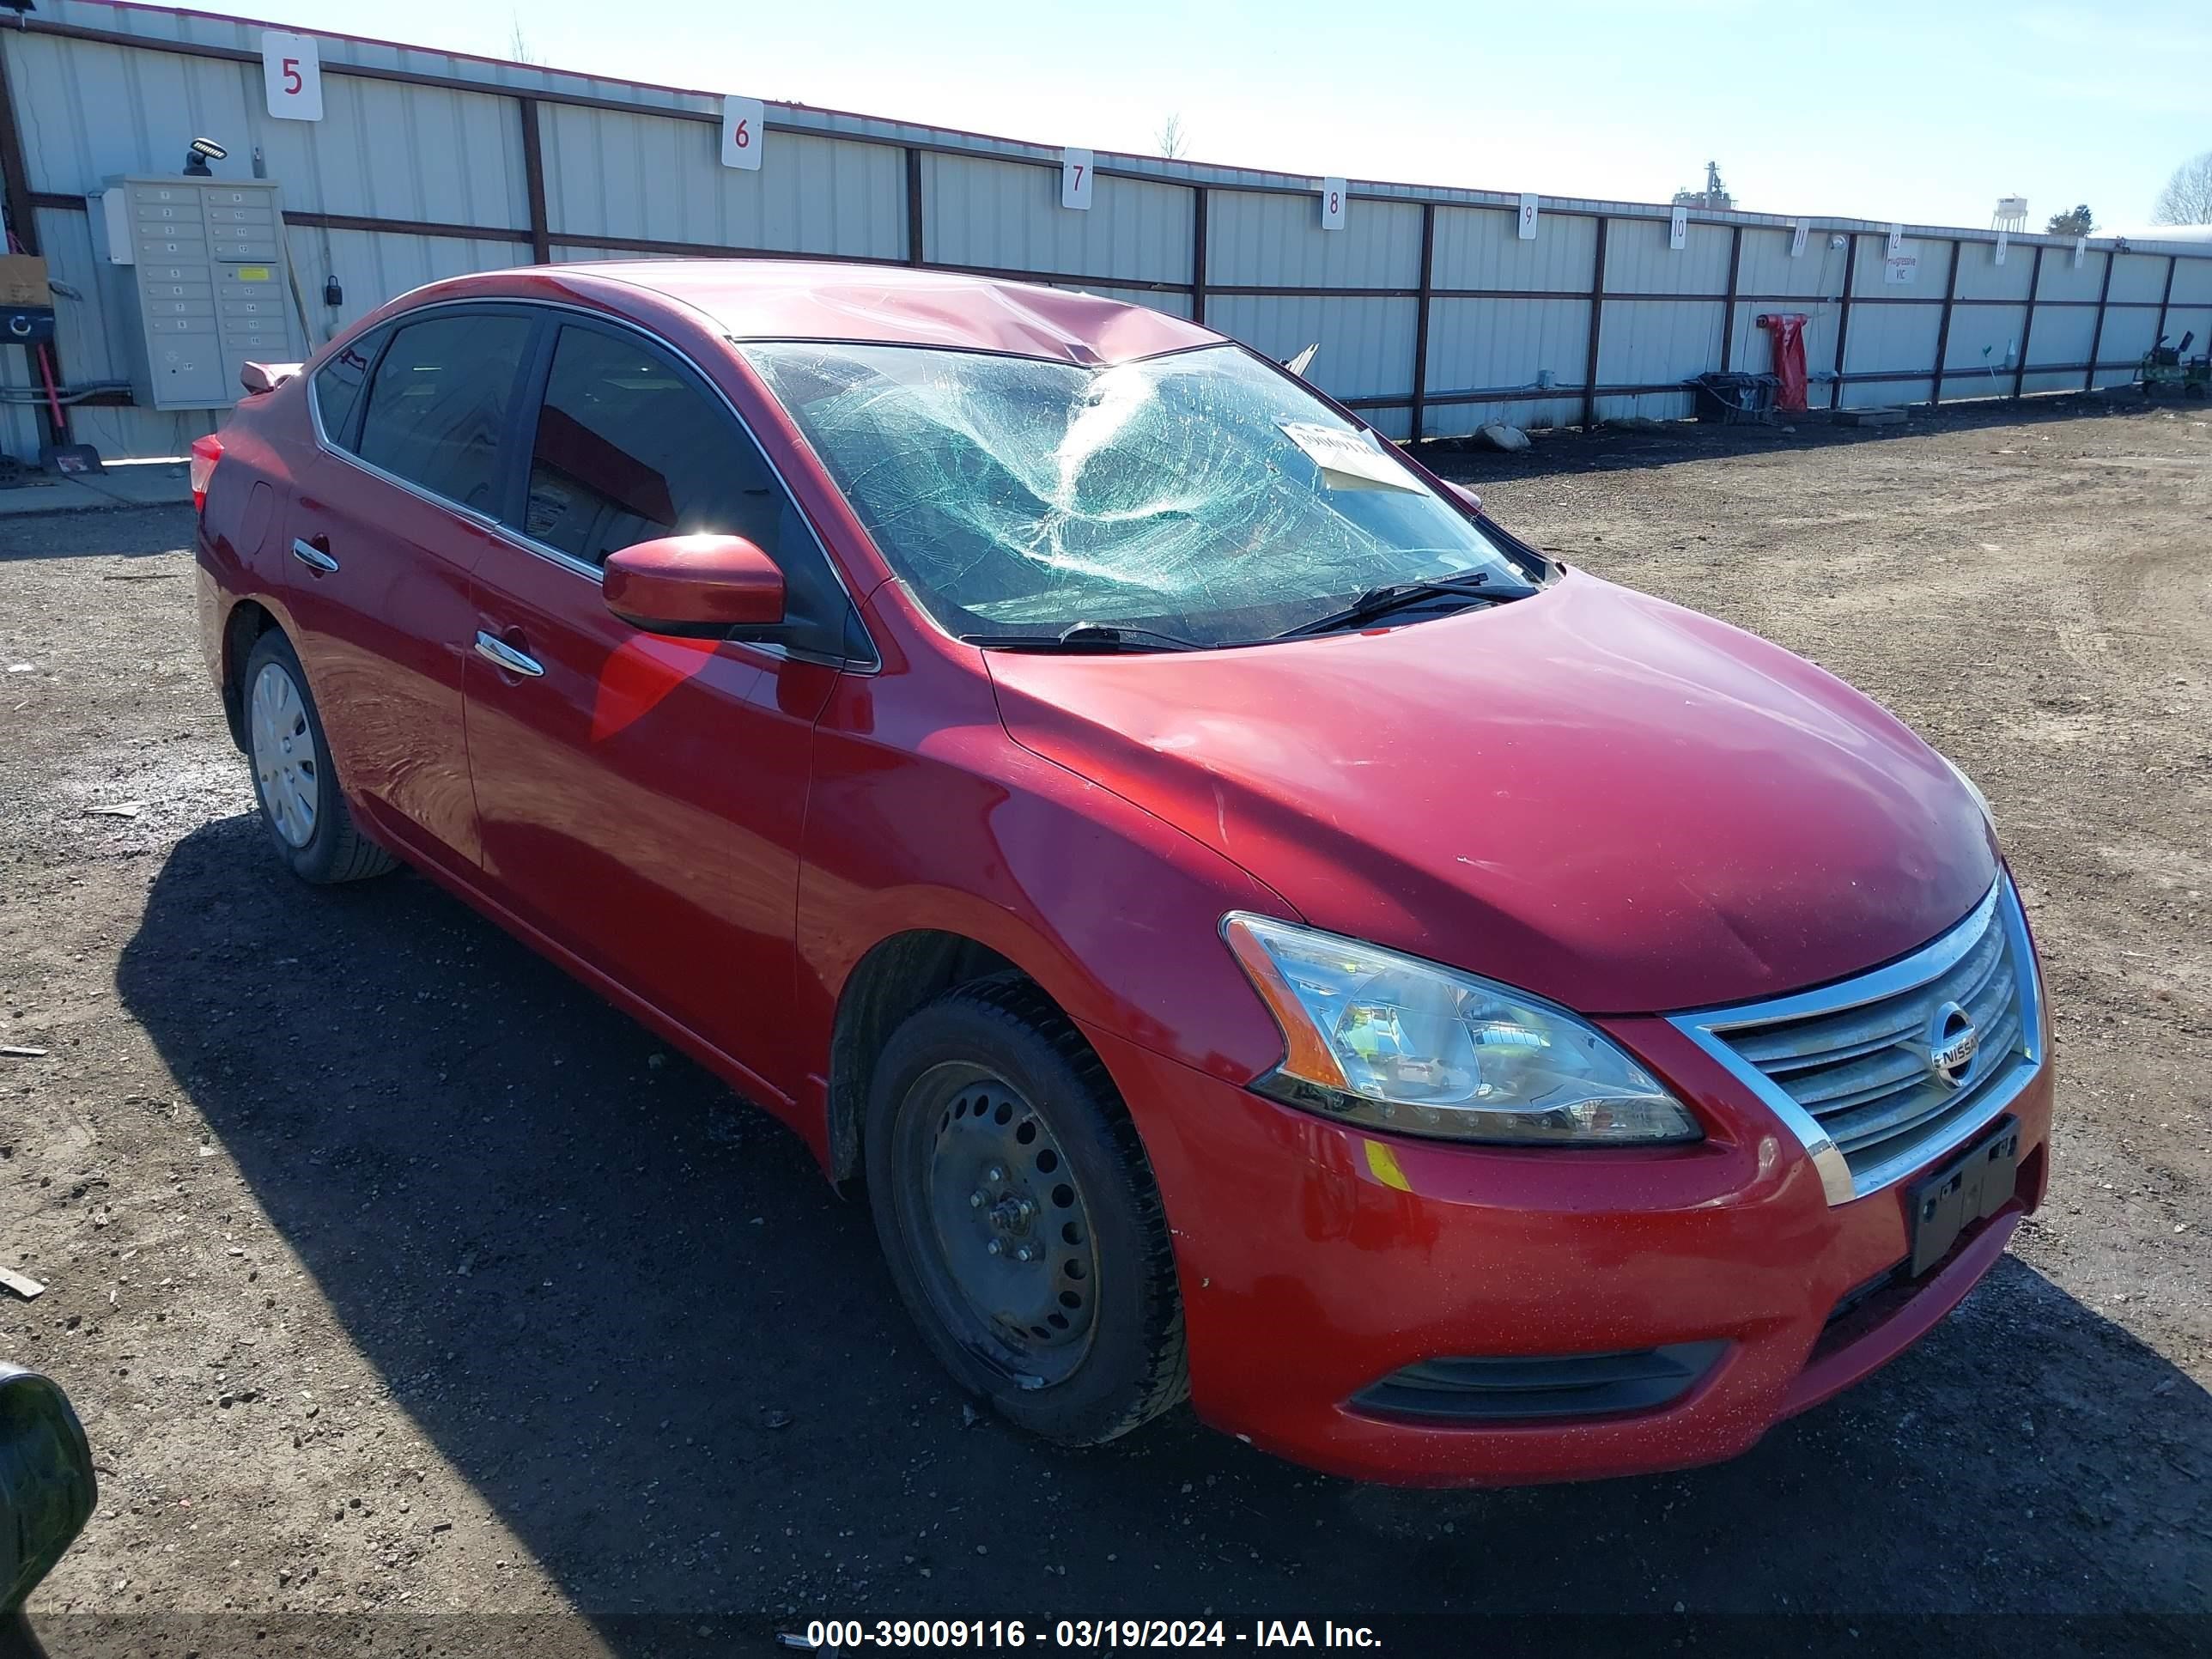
{"x": 199, "y": 278}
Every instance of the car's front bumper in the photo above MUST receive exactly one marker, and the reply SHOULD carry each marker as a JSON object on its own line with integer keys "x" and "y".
{"x": 1315, "y": 1259}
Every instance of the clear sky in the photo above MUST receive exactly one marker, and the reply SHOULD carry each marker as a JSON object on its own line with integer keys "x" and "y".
{"x": 1925, "y": 111}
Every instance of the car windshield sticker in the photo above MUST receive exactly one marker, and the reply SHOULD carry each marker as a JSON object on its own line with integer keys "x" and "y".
{"x": 1348, "y": 461}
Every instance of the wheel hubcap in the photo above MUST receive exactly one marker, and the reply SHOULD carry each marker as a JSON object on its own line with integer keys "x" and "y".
{"x": 1005, "y": 1234}
{"x": 285, "y": 763}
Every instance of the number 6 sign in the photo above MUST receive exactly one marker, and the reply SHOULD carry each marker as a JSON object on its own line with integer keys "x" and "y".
{"x": 292, "y": 76}
{"x": 744, "y": 126}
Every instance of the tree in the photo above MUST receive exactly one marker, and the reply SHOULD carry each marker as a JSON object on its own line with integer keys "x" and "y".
{"x": 518, "y": 44}
{"x": 1174, "y": 142}
{"x": 2187, "y": 197}
{"x": 2075, "y": 221}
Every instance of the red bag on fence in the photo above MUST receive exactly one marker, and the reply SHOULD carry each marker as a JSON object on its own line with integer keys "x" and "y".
{"x": 1788, "y": 328}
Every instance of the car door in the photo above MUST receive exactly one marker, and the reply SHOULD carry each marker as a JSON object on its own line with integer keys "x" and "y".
{"x": 640, "y": 796}
{"x": 388, "y": 516}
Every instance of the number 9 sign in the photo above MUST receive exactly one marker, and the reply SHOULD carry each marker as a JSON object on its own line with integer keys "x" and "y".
{"x": 744, "y": 126}
{"x": 1332, "y": 205}
{"x": 292, "y": 76}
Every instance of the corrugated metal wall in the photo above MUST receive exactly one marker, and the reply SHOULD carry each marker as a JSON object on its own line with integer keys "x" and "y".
{"x": 1431, "y": 311}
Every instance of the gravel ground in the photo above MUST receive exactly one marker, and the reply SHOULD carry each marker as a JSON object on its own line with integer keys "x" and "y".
{"x": 396, "y": 1276}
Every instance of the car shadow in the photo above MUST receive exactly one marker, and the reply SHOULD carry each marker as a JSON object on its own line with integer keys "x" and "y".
{"x": 630, "y": 1312}
{"x": 128, "y": 530}
{"x": 1620, "y": 447}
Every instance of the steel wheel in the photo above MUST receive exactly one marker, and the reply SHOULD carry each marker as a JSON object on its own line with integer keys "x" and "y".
{"x": 997, "y": 1224}
{"x": 285, "y": 762}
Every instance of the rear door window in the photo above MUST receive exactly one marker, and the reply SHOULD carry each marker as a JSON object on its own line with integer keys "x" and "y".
{"x": 438, "y": 405}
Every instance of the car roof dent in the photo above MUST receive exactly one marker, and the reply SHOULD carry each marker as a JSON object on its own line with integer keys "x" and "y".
{"x": 885, "y": 305}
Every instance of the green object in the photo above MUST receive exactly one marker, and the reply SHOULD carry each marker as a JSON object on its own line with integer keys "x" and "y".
{"x": 47, "y": 1488}
{"x": 2170, "y": 367}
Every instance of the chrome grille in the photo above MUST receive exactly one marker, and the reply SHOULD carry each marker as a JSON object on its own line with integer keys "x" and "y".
{"x": 1851, "y": 1067}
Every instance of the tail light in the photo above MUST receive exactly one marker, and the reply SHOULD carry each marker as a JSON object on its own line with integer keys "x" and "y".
{"x": 206, "y": 451}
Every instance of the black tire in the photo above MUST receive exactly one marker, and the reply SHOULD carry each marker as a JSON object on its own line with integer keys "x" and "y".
{"x": 1000, "y": 1042}
{"x": 335, "y": 850}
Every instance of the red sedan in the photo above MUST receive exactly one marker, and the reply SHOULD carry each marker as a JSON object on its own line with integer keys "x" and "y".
{"x": 1259, "y": 930}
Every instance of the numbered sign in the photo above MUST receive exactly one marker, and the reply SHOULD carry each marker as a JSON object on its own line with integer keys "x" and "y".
{"x": 2080, "y": 247}
{"x": 744, "y": 128}
{"x": 1332, "y": 204}
{"x": 1797, "y": 240}
{"x": 292, "y": 75}
{"x": 1527, "y": 228}
{"x": 2004, "y": 240}
{"x": 1896, "y": 238}
{"x": 1075, "y": 179}
{"x": 1678, "y": 229}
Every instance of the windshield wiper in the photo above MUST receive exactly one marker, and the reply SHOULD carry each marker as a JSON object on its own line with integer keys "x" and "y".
{"x": 1381, "y": 601}
{"x": 1089, "y": 636}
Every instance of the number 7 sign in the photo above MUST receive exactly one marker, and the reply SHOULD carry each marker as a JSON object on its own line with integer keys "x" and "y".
{"x": 744, "y": 129}
{"x": 1075, "y": 170}
{"x": 292, "y": 76}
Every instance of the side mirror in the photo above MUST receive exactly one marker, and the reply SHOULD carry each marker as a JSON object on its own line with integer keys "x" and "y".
{"x": 47, "y": 1489}
{"x": 695, "y": 587}
{"x": 1465, "y": 497}
{"x": 266, "y": 377}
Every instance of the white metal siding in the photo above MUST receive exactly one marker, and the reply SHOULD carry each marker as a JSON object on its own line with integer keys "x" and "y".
{"x": 1639, "y": 261}
{"x": 1366, "y": 345}
{"x": 1278, "y": 241}
{"x": 652, "y": 179}
{"x": 649, "y": 172}
{"x": 1981, "y": 277}
{"x": 1003, "y": 215}
{"x": 1481, "y": 248}
{"x": 1497, "y": 345}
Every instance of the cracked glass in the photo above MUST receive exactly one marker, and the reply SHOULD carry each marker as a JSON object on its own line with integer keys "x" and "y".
{"x": 1204, "y": 495}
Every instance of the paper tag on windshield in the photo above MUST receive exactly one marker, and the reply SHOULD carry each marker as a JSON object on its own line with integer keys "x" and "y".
{"x": 1348, "y": 461}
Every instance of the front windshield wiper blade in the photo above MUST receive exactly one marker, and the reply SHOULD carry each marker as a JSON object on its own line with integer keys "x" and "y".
{"x": 1089, "y": 636}
{"x": 1381, "y": 601}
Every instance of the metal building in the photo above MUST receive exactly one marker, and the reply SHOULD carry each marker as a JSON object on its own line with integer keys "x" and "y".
{"x": 1435, "y": 310}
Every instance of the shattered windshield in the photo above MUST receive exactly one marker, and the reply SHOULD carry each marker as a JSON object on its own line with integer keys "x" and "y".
{"x": 1202, "y": 495}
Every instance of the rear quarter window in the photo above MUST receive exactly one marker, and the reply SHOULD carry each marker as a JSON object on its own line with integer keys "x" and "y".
{"x": 337, "y": 384}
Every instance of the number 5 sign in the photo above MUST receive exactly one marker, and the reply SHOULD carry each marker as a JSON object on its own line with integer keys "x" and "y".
{"x": 292, "y": 75}
{"x": 744, "y": 125}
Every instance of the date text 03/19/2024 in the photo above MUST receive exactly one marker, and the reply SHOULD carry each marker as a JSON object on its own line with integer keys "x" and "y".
{"x": 836, "y": 1635}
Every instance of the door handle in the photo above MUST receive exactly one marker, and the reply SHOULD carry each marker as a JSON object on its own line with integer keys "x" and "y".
{"x": 500, "y": 653}
{"x": 314, "y": 557}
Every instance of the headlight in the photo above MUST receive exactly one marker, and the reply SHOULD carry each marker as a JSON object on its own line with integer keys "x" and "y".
{"x": 1401, "y": 1044}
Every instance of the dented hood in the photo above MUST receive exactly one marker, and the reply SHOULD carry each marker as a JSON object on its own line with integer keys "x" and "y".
{"x": 1611, "y": 801}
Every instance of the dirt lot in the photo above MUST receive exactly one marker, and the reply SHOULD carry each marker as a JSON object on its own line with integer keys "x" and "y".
{"x": 396, "y": 1276}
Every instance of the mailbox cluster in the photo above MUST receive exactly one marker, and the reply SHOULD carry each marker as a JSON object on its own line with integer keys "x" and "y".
{"x": 201, "y": 264}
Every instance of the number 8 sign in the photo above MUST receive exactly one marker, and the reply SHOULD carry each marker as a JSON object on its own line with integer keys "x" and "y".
{"x": 292, "y": 76}
{"x": 744, "y": 126}
{"x": 1332, "y": 205}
